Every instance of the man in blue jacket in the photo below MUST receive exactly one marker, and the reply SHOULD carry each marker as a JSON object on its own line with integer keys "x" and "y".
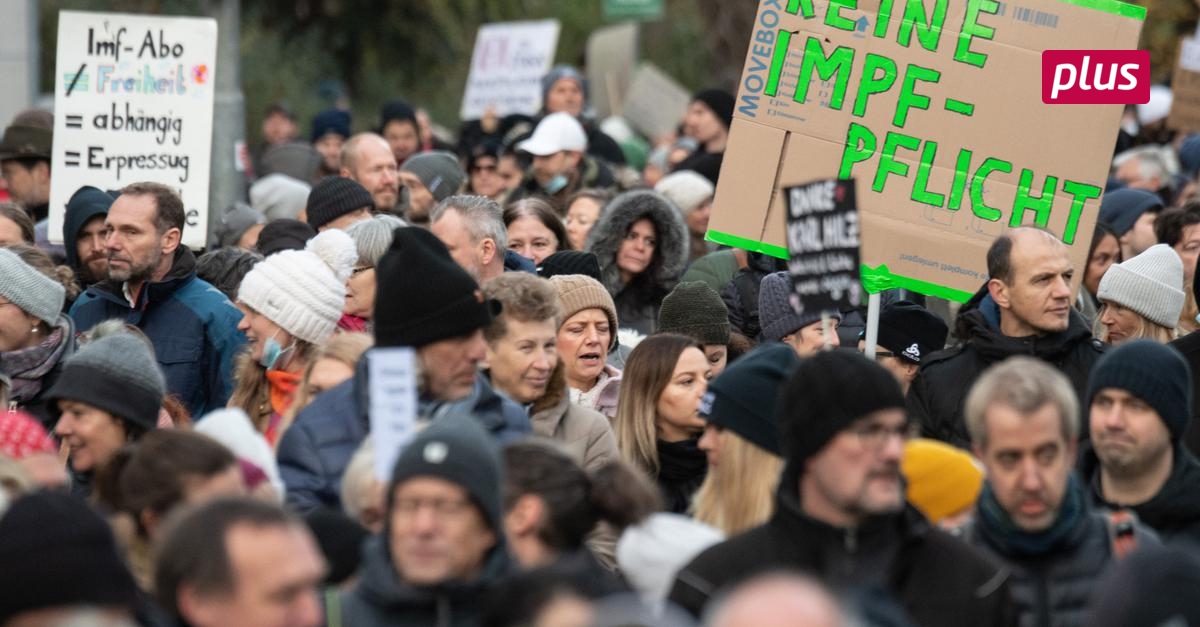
{"x": 426, "y": 301}
{"x": 152, "y": 284}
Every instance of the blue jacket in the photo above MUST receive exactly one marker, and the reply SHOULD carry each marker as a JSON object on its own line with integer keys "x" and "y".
{"x": 316, "y": 449}
{"x": 192, "y": 325}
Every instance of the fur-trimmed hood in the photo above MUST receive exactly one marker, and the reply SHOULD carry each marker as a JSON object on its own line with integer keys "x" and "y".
{"x": 670, "y": 253}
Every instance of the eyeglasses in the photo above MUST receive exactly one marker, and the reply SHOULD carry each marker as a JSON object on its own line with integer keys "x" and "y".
{"x": 359, "y": 270}
{"x": 442, "y": 508}
{"x": 875, "y": 435}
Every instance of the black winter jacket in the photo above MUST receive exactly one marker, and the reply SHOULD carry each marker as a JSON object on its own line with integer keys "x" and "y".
{"x": 1055, "y": 590}
{"x": 937, "y": 578}
{"x": 1173, "y": 513}
{"x": 939, "y": 392}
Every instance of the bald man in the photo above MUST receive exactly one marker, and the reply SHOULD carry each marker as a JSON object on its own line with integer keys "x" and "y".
{"x": 779, "y": 600}
{"x": 368, "y": 159}
{"x": 1023, "y": 309}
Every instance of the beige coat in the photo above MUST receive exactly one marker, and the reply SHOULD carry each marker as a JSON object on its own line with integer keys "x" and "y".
{"x": 585, "y": 433}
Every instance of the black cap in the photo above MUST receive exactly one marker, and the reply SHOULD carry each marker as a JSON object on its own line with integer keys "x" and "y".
{"x": 743, "y": 399}
{"x": 284, "y": 234}
{"x": 910, "y": 331}
{"x": 570, "y": 262}
{"x": 334, "y": 197}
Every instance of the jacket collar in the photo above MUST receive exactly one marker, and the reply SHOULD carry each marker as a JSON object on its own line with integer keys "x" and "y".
{"x": 1177, "y": 501}
{"x": 979, "y": 324}
{"x": 182, "y": 272}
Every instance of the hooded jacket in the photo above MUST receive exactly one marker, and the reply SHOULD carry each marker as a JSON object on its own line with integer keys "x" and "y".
{"x": 937, "y": 578}
{"x": 585, "y": 433}
{"x": 1174, "y": 513}
{"x": 639, "y": 300}
{"x": 938, "y": 394}
{"x": 76, "y": 217}
{"x": 315, "y": 450}
{"x": 381, "y": 599}
{"x": 741, "y": 293}
{"x": 192, "y": 325}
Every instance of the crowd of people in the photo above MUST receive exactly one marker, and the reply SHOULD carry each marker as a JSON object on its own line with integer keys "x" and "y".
{"x": 618, "y": 423}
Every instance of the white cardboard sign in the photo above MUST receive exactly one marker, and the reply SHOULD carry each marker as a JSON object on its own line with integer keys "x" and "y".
{"x": 507, "y": 67}
{"x": 133, "y": 101}
{"x": 392, "y": 373}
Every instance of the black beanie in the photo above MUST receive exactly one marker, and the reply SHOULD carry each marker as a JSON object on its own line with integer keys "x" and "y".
{"x": 334, "y": 197}
{"x": 827, "y": 393}
{"x": 910, "y": 331}
{"x": 398, "y": 111}
{"x": 455, "y": 448}
{"x": 284, "y": 234}
{"x": 720, "y": 101}
{"x": 340, "y": 539}
{"x": 1153, "y": 372}
{"x": 423, "y": 295}
{"x": 743, "y": 399}
{"x": 570, "y": 262}
{"x": 55, "y": 551}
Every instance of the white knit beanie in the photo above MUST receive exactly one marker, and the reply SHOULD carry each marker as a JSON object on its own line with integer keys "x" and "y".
{"x": 303, "y": 291}
{"x": 1150, "y": 284}
{"x": 687, "y": 189}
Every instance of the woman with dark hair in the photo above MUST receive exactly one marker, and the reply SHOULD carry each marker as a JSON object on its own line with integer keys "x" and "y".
{"x": 145, "y": 481}
{"x": 642, "y": 245}
{"x": 658, "y": 423}
{"x": 551, "y": 504}
{"x": 1103, "y": 253}
{"x": 534, "y": 229}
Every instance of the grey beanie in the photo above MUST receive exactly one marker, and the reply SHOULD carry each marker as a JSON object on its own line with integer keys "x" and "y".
{"x": 694, "y": 309}
{"x": 237, "y": 219}
{"x": 33, "y": 292}
{"x": 116, "y": 373}
{"x": 1150, "y": 284}
{"x": 373, "y": 237}
{"x": 439, "y": 173}
{"x": 775, "y": 309}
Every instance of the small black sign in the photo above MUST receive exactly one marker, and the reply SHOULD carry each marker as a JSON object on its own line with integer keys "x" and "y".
{"x": 823, "y": 240}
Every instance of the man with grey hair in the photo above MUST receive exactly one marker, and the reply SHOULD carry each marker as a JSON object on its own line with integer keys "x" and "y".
{"x": 472, "y": 227}
{"x": 1147, "y": 167}
{"x": 1033, "y": 513}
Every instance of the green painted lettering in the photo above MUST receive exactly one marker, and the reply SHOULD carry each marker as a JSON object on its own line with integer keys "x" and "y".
{"x": 837, "y": 64}
{"x": 882, "y": 18}
{"x": 834, "y": 17}
{"x": 921, "y": 191}
{"x": 981, "y": 208}
{"x": 973, "y": 29}
{"x": 860, "y": 145}
{"x": 928, "y": 27}
{"x": 803, "y": 8}
{"x": 961, "y": 172}
{"x": 909, "y": 99}
{"x": 879, "y": 74}
{"x": 1080, "y": 194}
{"x": 778, "y": 57}
{"x": 1026, "y": 201}
{"x": 887, "y": 159}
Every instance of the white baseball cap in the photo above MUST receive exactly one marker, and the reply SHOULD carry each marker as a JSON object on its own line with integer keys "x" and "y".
{"x": 555, "y": 133}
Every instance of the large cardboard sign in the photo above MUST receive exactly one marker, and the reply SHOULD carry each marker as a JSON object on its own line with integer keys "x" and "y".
{"x": 1185, "y": 88}
{"x": 133, "y": 101}
{"x": 822, "y": 241}
{"x": 935, "y": 107}
{"x": 507, "y": 67}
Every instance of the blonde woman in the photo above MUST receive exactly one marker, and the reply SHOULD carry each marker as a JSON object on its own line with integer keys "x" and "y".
{"x": 1141, "y": 297}
{"x": 740, "y": 441}
{"x": 658, "y": 421}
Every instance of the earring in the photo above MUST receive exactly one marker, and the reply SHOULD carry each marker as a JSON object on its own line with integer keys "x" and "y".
{"x": 33, "y": 330}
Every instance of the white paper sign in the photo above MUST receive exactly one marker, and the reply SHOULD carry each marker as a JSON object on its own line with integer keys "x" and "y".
{"x": 1189, "y": 54}
{"x": 392, "y": 373}
{"x": 133, "y": 101}
{"x": 507, "y": 67}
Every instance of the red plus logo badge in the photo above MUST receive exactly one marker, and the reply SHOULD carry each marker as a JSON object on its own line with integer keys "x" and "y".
{"x": 1095, "y": 76}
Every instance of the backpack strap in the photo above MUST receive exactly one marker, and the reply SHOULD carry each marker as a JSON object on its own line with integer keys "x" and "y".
{"x": 1122, "y": 532}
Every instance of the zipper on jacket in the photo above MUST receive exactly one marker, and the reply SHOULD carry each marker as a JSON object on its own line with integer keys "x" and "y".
{"x": 443, "y": 611}
{"x": 1042, "y": 607}
{"x": 851, "y": 539}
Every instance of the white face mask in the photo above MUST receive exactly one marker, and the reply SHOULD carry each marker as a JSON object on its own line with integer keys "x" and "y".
{"x": 273, "y": 351}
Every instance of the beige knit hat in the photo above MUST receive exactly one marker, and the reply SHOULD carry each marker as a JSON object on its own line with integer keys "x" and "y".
{"x": 578, "y": 292}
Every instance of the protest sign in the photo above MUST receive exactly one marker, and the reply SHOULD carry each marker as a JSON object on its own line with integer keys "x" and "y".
{"x": 507, "y": 66}
{"x": 822, "y": 242}
{"x": 392, "y": 373}
{"x": 611, "y": 53}
{"x": 1185, "y": 88}
{"x": 654, "y": 102}
{"x": 935, "y": 106}
{"x": 133, "y": 101}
